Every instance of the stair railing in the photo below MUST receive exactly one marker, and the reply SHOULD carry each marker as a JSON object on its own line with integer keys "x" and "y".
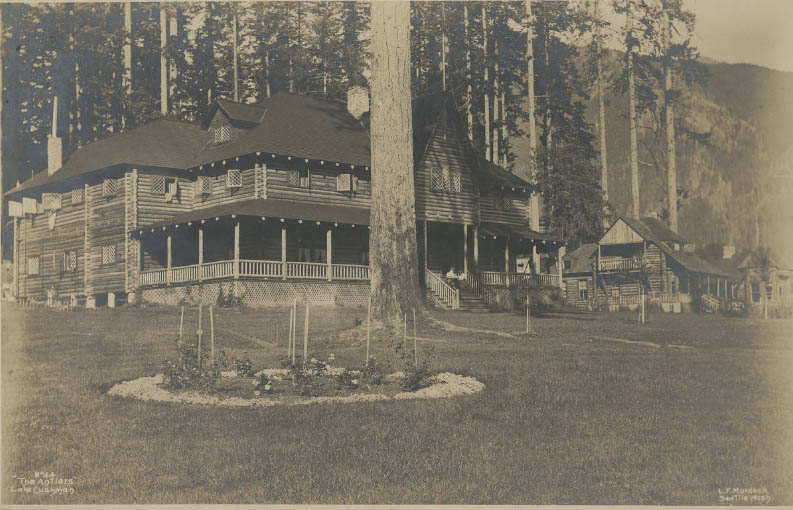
{"x": 448, "y": 294}
{"x": 482, "y": 291}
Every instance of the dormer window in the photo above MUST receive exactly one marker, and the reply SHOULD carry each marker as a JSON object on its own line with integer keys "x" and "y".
{"x": 222, "y": 134}
{"x": 443, "y": 179}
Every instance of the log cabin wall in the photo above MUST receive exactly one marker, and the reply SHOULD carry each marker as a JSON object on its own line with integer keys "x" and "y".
{"x": 578, "y": 291}
{"x": 49, "y": 245}
{"x": 322, "y": 183}
{"x": 221, "y": 194}
{"x": 505, "y": 208}
{"x": 152, "y": 205}
{"x": 106, "y": 232}
{"x": 447, "y": 146}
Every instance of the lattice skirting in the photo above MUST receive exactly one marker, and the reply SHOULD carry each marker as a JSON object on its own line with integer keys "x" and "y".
{"x": 263, "y": 293}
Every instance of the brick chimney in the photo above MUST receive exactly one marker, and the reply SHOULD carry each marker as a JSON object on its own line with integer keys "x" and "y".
{"x": 54, "y": 143}
{"x": 357, "y": 101}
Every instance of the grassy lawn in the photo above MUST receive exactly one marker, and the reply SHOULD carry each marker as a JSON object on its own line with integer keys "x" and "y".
{"x": 593, "y": 409}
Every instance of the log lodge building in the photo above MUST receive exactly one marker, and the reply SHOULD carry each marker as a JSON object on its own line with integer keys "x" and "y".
{"x": 267, "y": 202}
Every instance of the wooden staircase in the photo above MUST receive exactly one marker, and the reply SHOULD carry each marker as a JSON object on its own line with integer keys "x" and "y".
{"x": 471, "y": 302}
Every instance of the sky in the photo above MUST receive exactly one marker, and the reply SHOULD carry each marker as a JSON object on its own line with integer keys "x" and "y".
{"x": 741, "y": 31}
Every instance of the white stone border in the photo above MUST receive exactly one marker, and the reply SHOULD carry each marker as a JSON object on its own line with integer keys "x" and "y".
{"x": 148, "y": 388}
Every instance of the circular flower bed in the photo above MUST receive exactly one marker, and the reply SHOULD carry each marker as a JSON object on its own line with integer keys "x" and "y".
{"x": 272, "y": 387}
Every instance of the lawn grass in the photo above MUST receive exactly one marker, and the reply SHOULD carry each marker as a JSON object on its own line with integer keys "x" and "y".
{"x": 571, "y": 415}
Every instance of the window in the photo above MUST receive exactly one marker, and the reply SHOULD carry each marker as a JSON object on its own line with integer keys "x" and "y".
{"x": 158, "y": 185}
{"x": 568, "y": 264}
{"x": 769, "y": 291}
{"x": 299, "y": 178}
{"x": 347, "y": 182}
{"x": 108, "y": 254}
{"x": 222, "y": 134}
{"x": 504, "y": 203}
{"x": 78, "y": 195}
{"x": 33, "y": 266}
{"x": 68, "y": 261}
{"x": 673, "y": 286}
{"x": 443, "y": 179}
{"x": 51, "y": 201}
{"x": 233, "y": 179}
{"x": 583, "y": 292}
{"x": 205, "y": 185}
{"x": 109, "y": 187}
{"x": 755, "y": 292}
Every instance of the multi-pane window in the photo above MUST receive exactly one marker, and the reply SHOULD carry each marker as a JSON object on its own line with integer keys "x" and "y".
{"x": 233, "y": 179}
{"x": 158, "y": 185}
{"x": 109, "y": 187}
{"x": 755, "y": 292}
{"x": 205, "y": 185}
{"x": 299, "y": 178}
{"x": 443, "y": 179}
{"x": 222, "y": 134}
{"x": 51, "y": 201}
{"x": 583, "y": 292}
{"x": 347, "y": 182}
{"x": 33, "y": 266}
{"x": 69, "y": 260}
{"x": 78, "y": 195}
{"x": 504, "y": 203}
{"x": 108, "y": 254}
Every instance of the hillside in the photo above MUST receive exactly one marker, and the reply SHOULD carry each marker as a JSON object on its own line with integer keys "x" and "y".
{"x": 746, "y": 164}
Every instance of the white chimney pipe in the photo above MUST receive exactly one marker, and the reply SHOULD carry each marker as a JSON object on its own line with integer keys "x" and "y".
{"x": 54, "y": 143}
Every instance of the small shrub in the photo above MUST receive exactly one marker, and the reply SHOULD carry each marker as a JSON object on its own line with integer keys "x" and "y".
{"x": 263, "y": 385}
{"x": 370, "y": 373}
{"x": 417, "y": 377}
{"x": 349, "y": 380}
{"x": 184, "y": 370}
{"x": 243, "y": 367}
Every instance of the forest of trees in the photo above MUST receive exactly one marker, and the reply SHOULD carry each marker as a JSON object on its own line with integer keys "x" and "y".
{"x": 103, "y": 61}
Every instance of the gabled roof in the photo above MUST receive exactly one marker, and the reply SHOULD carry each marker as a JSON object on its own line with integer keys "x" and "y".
{"x": 653, "y": 229}
{"x": 241, "y": 114}
{"x": 162, "y": 143}
{"x": 581, "y": 259}
{"x": 287, "y": 209}
{"x": 753, "y": 260}
{"x": 301, "y": 126}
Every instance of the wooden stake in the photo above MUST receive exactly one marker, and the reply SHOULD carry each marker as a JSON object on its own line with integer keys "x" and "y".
{"x": 199, "y": 334}
{"x": 305, "y": 337}
{"x": 292, "y": 336}
{"x": 181, "y": 325}
{"x": 212, "y": 333}
{"x": 368, "y": 328}
{"x": 415, "y": 342}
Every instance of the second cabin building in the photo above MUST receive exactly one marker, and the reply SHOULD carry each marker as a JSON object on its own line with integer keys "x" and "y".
{"x": 265, "y": 203}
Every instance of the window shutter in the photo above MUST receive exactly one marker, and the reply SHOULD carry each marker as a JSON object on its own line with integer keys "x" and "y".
{"x": 305, "y": 179}
{"x": 446, "y": 178}
{"x": 456, "y": 182}
{"x": 354, "y": 183}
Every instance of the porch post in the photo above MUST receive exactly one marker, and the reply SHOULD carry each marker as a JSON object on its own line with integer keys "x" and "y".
{"x": 426, "y": 248}
{"x": 506, "y": 261}
{"x": 560, "y": 262}
{"x": 708, "y": 279}
{"x": 476, "y": 247}
{"x": 465, "y": 248}
{"x": 200, "y": 253}
{"x": 236, "y": 249}
{"x": 329, "y": 248}
{"x": 283, "y": 250}
{"x": 718, "y": 286}
{"x": 169, "y": 262}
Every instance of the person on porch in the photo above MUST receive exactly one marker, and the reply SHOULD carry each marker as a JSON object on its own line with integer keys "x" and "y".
{"x": 453, "y": 278}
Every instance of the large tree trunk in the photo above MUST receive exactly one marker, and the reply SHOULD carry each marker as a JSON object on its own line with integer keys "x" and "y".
{"x": 469, "y": 86}
{"x": 486, "y": 83}
{"x": 267, "y": 72}
{"x": 534, "y": 203}
{"x": 496, "y": 109}
{"x": 635, "y": 212}
{"x": 163, "y": 61}
{"x": 235, "y": 56}
{"x": 127, "y": 60}
{"x": 443, "y": 45}
{"x": 670, "y": 125}
{"x": 393, "y": 254}
{"x": 604, "y": 174}
{"x": 174, "y": 33}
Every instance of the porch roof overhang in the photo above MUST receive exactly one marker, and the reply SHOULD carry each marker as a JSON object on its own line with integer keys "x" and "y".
{"x": 269, "y": 208}
{"x": 516, "y": 232}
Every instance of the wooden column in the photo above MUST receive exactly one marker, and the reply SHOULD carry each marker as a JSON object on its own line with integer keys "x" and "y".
{"x": 465, "y": 248}
{"x": 560, "y": 262}
{"x": 718, "y": 286}
{"x": 506, "y": 261}
{"x": 200, "y": 253}
{"x": 708, "y": 285}
{"x": 329, "y": 249}
{"x": 236, "y": 249}
{"x": 476, "y": 247}
{"x": 15, "y": 285}
{"x": 170, "y": 260}
{"x": 283, "y": 250}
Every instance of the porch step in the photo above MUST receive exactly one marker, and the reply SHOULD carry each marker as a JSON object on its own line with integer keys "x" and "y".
{"x": 470, "y": 302}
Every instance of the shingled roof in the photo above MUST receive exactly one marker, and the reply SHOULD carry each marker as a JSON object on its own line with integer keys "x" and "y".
{"x": 581, "y": 259}
{"x": 162, "y": 143}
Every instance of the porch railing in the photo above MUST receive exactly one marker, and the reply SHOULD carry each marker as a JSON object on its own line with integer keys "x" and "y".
{"x": 253, "y": 269}
{"x": 516, "y": 279}
{"x": 445, "y": 292}
{"x": 350, "y": 272}
{"x": 619, "y": 264}
{"x": 263, "y": 268}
